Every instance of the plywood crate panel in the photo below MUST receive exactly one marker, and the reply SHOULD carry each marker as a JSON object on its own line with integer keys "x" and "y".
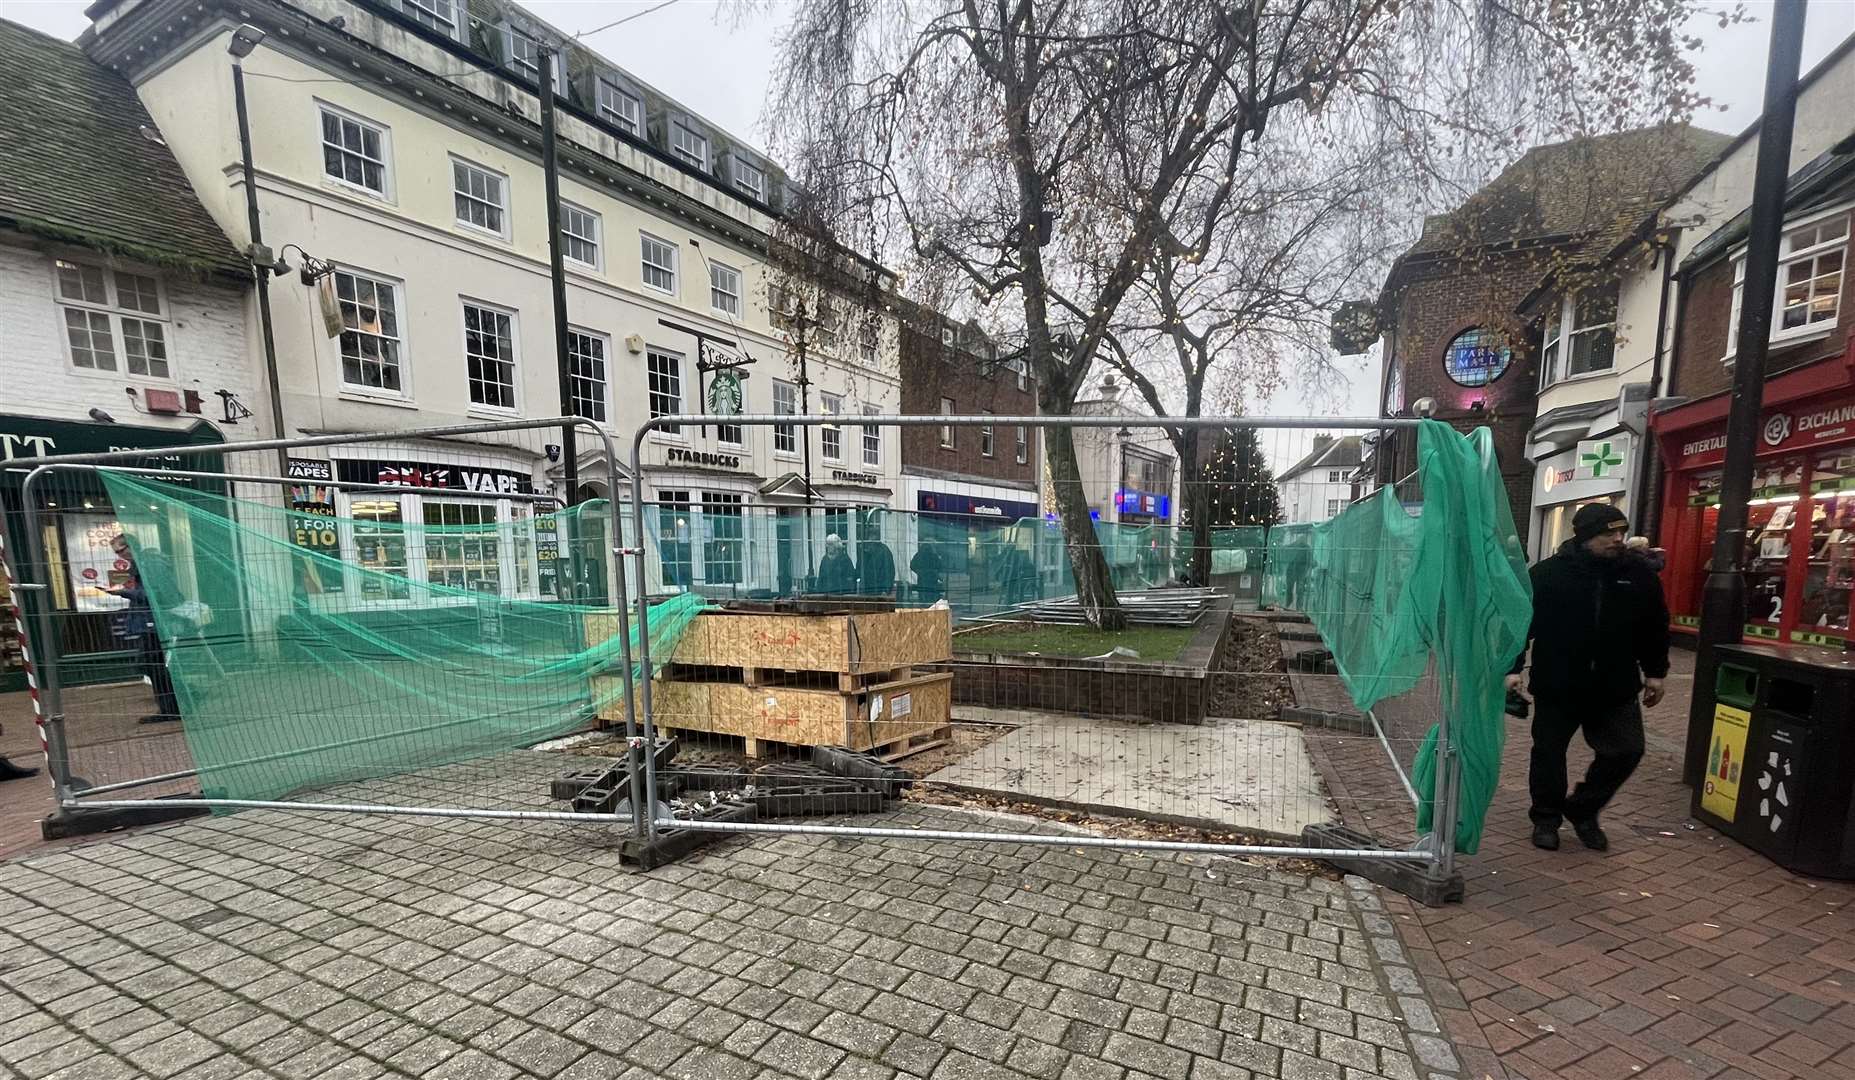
{"x": 860, "y": 644}
{"x": 801, "y": 717}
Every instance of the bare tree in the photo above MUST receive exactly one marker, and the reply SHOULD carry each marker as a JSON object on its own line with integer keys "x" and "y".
{"x": 1050, "y": 151}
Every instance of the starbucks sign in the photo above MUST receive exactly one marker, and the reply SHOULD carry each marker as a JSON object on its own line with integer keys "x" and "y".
{"x": 725, "y": 394}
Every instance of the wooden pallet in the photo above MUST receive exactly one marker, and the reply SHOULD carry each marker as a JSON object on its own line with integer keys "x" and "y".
{"x": 894, "y": 749}
{"x": 845, "y": 682}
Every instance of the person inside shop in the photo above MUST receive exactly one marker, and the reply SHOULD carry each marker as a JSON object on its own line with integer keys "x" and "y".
{"x": 836, "y": 573}
{"x": 151, "y": 570}
{"x": 929, "y": 574}
{"x": 875, "y": 562}
{"x": 1600, "y": 652}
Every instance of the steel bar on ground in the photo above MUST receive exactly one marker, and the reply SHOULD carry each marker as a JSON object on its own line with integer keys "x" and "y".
{"x": 1054, "y": 840}
{"x": 354, "y": 808}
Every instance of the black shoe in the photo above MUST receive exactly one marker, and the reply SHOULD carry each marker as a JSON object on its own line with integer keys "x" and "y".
{"x": 1545, "y": 838}
{"x": 1592, "y": 836}
{"x": 10, "y": 771}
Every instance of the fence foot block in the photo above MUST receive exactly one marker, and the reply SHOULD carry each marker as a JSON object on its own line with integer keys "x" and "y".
{"x": 82, "y": 822}
{"x": 673, "y": 843}
{"x": 1414, "y": 880}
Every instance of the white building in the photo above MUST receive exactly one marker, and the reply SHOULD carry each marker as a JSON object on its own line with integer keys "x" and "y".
{"x": 397, "y": 142}
{"x": 122, "y": 327}
{"x": 1320, "y": 485}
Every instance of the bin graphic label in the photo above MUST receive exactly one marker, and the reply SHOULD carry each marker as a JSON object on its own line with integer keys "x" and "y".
{"x": 1719, "y": 794}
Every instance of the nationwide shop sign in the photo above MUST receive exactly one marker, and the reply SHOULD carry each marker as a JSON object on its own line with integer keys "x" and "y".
{"x": 1788, "y": 427}
{"x": 426, "y": 474}
{"x": 938, "y": 503}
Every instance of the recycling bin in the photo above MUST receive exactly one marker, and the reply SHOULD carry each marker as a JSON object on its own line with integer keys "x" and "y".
{"x": 1779, "y": 775}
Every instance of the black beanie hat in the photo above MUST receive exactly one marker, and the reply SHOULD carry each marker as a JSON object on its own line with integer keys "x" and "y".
{"x": 1594, "y": 518}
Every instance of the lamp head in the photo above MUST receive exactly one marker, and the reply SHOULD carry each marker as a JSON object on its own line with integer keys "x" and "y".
{"x": 244, "y": 39}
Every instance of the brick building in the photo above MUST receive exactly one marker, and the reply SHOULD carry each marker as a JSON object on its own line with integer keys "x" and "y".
{"x": 122, "y": 322}
{"x": 1799, "y": 559}
{"x": 1456, "y": 324}
{"x": 965, "y": 489}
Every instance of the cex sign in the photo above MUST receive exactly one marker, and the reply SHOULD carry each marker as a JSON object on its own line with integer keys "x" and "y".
{"x": 1787, "y": 428}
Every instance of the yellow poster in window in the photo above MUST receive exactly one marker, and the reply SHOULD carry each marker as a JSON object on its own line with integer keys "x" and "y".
{"x": 1719, "y": 792}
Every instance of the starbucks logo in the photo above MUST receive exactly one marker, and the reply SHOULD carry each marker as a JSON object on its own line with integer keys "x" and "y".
{"x": 1777, "y": 429}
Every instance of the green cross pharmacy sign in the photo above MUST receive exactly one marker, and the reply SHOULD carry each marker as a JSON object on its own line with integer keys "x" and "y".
{"x": 1602, "y": 459}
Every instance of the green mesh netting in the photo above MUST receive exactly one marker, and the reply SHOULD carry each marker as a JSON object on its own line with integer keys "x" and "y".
{"x": 1392, "y": 593}
{"x": 295, "y": 668}
{"x": 977, "y": 565}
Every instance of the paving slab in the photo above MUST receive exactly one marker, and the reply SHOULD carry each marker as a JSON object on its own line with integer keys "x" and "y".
{"x": 373, "y": 946}
{"x": 1251, "y": 775}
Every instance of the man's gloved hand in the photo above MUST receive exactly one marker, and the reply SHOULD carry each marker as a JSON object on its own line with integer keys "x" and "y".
{"x": 1652, "y": 693}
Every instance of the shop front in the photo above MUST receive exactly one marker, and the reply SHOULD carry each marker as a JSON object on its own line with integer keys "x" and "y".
{"x": 1593, "y": 471}
{"x": 1800, "y": 541}
{"x": 979, "y": 548}
{"x": 77, "y": 522}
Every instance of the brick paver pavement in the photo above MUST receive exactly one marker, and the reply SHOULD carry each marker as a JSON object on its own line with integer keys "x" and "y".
{"x": 1677, "y": 954}
{"x": 270, "y": 944}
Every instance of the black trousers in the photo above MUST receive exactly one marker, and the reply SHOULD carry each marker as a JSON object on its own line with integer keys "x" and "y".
{"x": 1614, "y": 732}
{"x": 154, "y": 665}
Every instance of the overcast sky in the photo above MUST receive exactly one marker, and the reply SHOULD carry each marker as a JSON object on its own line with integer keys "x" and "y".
{"x": 701, "y": 54}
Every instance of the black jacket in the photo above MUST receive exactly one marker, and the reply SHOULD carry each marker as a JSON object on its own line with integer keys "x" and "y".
{"x": 1599, "y": 627}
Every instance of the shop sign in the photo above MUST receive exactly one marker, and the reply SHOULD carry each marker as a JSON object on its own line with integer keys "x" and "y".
{"x": 934, "y": 502}
{"x": 1132, "y": 501}
{"x": 844, "y": 476}
{"x": 1599, "y": 459}
{"x": 1788, "y": 428}
{"x": 425, "y": 474}
{"x": 725, "y": 394}
{"x": 319, "y": 469}
{"x": 676, "y": 455}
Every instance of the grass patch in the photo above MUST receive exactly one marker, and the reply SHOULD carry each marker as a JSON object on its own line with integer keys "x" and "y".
{"x": 1156, "y": 643}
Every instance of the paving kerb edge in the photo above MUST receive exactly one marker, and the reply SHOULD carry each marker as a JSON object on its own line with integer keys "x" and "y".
{"x": 1433, "y": 1053}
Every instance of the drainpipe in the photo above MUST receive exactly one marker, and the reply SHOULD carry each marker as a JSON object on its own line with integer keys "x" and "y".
{"x": 1643, "y": 502}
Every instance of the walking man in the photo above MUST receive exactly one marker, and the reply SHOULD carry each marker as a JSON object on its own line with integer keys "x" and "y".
{"x": 1600, "y": 643}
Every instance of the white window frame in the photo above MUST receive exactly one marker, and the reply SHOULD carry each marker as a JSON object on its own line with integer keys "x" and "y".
{"x": 645, "y": 265}
{"x": 575, "y": 378}
{"x": 1787, "y": 256}
{"x": 653, "y": 353}
{"x": 114, "y": 312}
{"x": 501, "y": 206}
{"x": 988, "y": 438}
{"x": 1334, "y": 506}
{"x": 596, "y": 240}
{"x": 1562, "y": 332}
{"x": 869, "y": 339}
{"x": 872, "y": 439}
{"x": 624, "y": 108}
{"x": 514, "y": 361}
{"x": 757, "y": 189}
{"x": 425, "y": 13}
{"x": 510, "y": 35}
{"x": 385, "y": 161}
{"x": 946, "y": 430}
{"x": 789, "y": 433}
{"x": 1336, "y": 476}
{"x": 718, "y": 270}
{"x": 404, "y": 393}
{"x": 685, "y": 154}
{"x": 1024, "y": 445}
{"x": 831, "y": 405}
{"x": 727, "y": 505}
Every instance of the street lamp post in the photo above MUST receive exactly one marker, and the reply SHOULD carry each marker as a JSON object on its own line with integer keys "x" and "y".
{"x": 1723, "y": 601}
{"x": 246, "y": 38}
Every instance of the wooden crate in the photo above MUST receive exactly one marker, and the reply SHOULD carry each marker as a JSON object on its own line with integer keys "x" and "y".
{"x": 871, "y": 643}
{"x": 797, "y": 716}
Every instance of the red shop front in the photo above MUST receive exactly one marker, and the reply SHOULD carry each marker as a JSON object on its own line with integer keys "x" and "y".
{"x": 1800, "y": 541}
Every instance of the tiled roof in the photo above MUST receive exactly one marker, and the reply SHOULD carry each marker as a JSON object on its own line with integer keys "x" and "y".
{"x": 1344, "y": 453}
{"x": 76, "y": 166}
{"x": 1595, "y": 188}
